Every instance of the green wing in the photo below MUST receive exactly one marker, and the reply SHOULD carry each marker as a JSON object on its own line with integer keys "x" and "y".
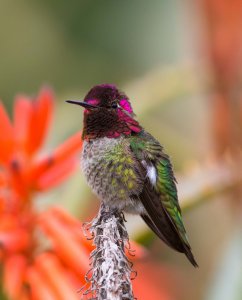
{"x": 159, "y": 194}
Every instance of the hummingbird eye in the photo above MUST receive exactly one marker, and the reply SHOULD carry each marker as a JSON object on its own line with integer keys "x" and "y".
{"x": 114, "y": 105}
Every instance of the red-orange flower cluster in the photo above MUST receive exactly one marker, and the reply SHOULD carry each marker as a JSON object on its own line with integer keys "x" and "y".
{"x": 30, "y": 270}
{"x": 21, "y": 141}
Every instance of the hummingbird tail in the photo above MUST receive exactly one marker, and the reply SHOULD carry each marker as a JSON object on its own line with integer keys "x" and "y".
{"x": 176, "y": 243}
{"x": 189, "y": 255}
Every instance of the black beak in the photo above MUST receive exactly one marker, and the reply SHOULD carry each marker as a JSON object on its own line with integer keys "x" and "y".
{"x": 81, "y": 103}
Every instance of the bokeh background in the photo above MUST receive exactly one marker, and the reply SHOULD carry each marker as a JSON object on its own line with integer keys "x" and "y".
{"x": 180, "y": 64}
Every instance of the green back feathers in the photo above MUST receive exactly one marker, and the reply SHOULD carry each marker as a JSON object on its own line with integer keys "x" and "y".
{"x": 147, "y": 148}
{"x": 167, "y": 188}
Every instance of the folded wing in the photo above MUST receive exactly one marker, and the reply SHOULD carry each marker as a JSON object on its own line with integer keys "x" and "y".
{"x": 159, "y": 194}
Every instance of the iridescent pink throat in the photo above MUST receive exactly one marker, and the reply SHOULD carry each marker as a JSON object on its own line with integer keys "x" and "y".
{"x": 102, "y": 124}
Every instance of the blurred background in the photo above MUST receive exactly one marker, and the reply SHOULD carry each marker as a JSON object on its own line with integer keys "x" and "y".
{"x": 180, "y": 64}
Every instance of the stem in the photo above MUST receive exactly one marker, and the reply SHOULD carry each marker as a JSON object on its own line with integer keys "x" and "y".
{"x": 212, "y": 181}
{"x": 111, "y": 270}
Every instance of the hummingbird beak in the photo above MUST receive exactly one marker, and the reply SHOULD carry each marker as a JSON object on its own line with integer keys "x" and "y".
{"x": 82, "y": 103}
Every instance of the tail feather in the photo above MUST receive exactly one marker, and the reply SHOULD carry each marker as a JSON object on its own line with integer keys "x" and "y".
{"x": 190, "y": 256}
{"x": 159, "y": 220}
{"x": 171, "y": 237}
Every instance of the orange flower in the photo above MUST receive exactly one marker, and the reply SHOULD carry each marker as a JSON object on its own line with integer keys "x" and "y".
{"x": 22, "y": 140}
{"x": 22, "y": 174}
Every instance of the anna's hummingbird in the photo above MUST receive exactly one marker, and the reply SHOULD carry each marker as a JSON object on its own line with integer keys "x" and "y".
{"x": 127, "y": 168}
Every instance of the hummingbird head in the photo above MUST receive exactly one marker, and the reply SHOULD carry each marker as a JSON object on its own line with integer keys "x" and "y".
{"x": 107, "y": 113}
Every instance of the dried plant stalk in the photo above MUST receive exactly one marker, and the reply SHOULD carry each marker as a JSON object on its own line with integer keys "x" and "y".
{"x": 111, "y": 269}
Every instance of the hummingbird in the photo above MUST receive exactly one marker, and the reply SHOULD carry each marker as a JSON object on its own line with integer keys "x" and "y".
{"x": 127, "y": 168}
